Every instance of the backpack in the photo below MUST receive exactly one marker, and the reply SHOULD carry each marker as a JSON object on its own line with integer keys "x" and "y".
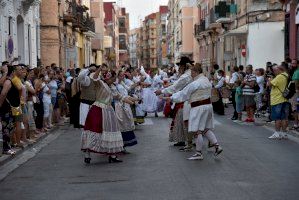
{"x": 290, "y": 89}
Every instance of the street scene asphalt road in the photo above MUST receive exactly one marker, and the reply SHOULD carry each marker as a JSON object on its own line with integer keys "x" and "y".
{"x": 251, "y": 167}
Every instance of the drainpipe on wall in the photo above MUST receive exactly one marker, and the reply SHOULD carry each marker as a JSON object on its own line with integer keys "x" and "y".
{"x": 59, "y": 33}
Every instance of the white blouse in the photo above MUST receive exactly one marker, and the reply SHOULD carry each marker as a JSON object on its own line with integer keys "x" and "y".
{"x": 199, "y": 89}
{"x": 178, "y": 85}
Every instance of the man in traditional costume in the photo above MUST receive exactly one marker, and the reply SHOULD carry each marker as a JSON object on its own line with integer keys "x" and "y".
{"x": 201, "y": 117}
{"x": 87, "y": 96}
{"x": 178, "y": 129}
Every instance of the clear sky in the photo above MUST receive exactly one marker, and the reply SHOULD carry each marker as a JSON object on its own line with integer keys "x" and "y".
{"x": 138, "y": 9}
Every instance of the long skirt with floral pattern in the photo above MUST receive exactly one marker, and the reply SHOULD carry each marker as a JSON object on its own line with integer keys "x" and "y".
{"x": 7, "y": 129}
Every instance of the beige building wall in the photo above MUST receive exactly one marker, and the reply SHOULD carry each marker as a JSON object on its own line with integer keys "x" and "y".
{"x": 97, "y": 12}
{"x": 186, "y": 27}
{"x": 49, "y": 33}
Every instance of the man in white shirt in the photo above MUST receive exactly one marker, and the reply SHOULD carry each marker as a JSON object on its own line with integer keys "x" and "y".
{"x": 232, "y": 82}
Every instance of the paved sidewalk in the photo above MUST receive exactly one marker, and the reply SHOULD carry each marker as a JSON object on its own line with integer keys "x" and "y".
{"x": 261, "y": 121}
{"x": 5, "y": 158}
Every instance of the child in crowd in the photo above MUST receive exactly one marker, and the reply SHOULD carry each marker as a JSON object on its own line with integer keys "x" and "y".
{"x": 239, "y": 100}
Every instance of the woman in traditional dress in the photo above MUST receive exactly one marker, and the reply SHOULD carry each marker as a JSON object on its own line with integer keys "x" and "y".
{"x": 124, "y": 114}
{"x": 201, "y": 119}
{"x": 150, "y": 100}
{"x": 101, "y": 132}
{"x": 138, "y": 113}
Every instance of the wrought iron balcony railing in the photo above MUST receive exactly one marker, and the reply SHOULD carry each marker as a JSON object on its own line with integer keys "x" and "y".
{"x": 198, "y": 28}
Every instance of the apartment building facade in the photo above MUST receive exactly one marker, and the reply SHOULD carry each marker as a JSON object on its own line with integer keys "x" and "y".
{"x": 123, "y": 23}
{"x": 233, "y": 33}
{"x": 149, "y": 36}
{"x": 182, "y": 16}
{"x": 133, "y": 47}
{"x": 162, "y": 59}
{"x": 117, "y": 31}
{"x": 97, "y": 42}
{"x": 66, "y": 33}
{"x": 20, "y": 32}
{"x": 291, "y": 9}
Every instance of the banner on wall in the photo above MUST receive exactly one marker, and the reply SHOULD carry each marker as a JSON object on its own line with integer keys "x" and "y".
{"x": 9, "y": 49}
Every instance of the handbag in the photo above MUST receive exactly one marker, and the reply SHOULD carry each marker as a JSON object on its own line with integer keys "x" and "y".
{"x": 15, "y": 111}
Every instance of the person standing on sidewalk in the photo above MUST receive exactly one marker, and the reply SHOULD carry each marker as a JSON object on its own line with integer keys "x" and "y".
{"x": 218, "y": 84}
{"x": 9, "y": 99}
{"x": 249, "y": 94}
{"x": 233, "y": 85}
{"x": 293, "y": 69}
{"x": 295, "y": 78}
{"x": 269, "y": 75}
{"x": 260, "y": 80}
{"x": 279, "y": 104}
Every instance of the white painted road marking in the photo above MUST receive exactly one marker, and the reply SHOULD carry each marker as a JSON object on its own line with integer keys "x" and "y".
{"x": 216, "y": 123}
{"x": 147, "y": 121}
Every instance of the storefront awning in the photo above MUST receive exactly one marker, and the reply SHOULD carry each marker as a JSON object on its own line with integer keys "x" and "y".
{"x": 238, "y": 31}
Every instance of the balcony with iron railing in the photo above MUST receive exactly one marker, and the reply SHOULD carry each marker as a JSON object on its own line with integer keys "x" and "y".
{"x": 78, "y": 16}
{"x": 88, "y": 24}
{"x": 28, "y": 3}
{"x": 123, "y": 30}
{"x": 199, "y": 28}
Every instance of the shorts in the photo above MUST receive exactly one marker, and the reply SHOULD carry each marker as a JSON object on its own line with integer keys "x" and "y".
{"x": 249, "y": 100}
{"x": 280, "y": 111}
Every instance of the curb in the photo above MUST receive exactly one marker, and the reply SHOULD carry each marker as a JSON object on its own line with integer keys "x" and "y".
{"x": 6, "y": 158}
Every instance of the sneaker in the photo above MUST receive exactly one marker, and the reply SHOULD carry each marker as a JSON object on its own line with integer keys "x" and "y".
{"x": 186, "y": 148}
{"x": 275, "y": 136}
{"x": 218, "y": 151}
{"x": 197, "y": 156}
{"x": 9, "y": 152}
{"x": 283, "y": 135}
